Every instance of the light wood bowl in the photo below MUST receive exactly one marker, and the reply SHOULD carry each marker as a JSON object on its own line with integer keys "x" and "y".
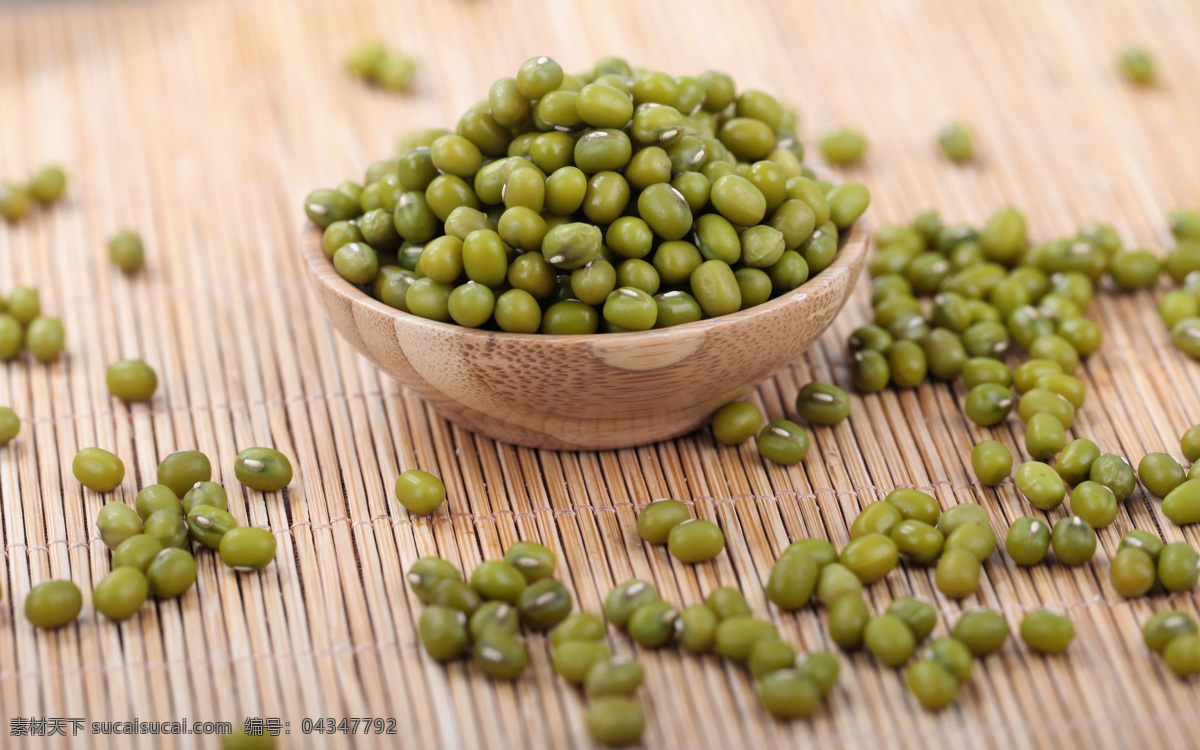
{"x": 595, "y": 392}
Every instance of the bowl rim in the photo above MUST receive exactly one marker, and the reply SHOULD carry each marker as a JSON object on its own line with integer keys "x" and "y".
{"x": 852, "y": 247}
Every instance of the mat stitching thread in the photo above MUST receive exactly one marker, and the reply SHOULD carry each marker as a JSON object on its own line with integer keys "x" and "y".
{"x": 571, "y": 510}
{"x": 414, "y": 644}
{"x": 219, "y": 659}
{"x": 131, "y": 412}
{"x": 1002, "y": 729}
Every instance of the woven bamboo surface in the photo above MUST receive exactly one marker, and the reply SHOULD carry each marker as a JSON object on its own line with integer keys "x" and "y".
{"x": 202, "y": 124}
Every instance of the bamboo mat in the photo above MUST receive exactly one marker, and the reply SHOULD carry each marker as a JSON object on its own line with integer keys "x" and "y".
{"x": 203, "y": 124}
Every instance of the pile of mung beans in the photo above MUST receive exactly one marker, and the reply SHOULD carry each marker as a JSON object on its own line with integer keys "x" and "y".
{"x": 23, "y": 327}
{"x": 482, "y": 617}
{"x": 615, "y": 199}
{"x": 484, "y": 614}
{"x": 151, "y": 540}
{"x": 911, "y": 524}
{"x": 993, "y": 288}
{"x": 789, "y": 686}
{"x": 45, "y": 187}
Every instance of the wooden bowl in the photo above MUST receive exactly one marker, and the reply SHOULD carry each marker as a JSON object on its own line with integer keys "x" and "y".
{"x": 603, "y": 391}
